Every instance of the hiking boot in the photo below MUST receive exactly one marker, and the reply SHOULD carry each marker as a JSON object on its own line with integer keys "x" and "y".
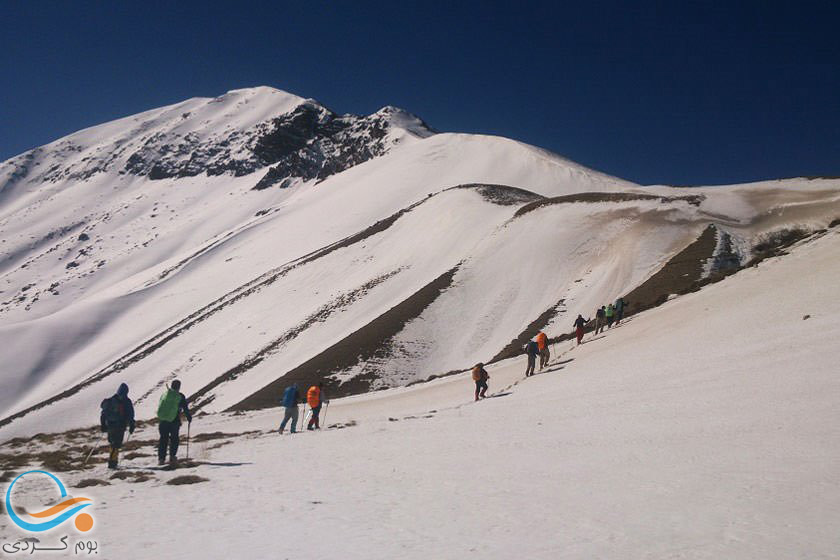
{"x": 173, "y": 461}
{"x": 112, "y": 464}
{"x": 161, "y": 461}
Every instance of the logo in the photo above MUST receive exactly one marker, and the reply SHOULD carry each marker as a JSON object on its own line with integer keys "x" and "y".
{"x": 57, "y": 514}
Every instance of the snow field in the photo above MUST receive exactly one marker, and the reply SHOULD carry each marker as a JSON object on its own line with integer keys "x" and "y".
{"x": 700, "y": 429}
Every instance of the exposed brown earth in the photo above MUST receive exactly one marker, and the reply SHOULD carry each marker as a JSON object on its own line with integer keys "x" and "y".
{"x": 498, "y": 194}
{"x": 605, "y": 197}
{"x": 370, "y": 342}
{"x": 187, "y": 479}
{"x": 204, "y": 396}
{"x": 514, "y": 348}
{"x": 684, "y": 269}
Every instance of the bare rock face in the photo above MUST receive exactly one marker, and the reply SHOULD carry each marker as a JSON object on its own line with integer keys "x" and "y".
{"x": 239, "y": 133}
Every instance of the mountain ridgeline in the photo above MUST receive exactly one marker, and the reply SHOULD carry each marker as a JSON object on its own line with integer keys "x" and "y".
{"x": 253, "y": 239}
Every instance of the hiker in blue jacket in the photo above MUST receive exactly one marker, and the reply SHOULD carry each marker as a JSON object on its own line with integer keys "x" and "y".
{"x": 532, "y": 349}
{"x": 291, "y": 398}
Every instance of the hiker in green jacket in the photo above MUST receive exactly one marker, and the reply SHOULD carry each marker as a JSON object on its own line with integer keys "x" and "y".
{"x": 172, "y": 403}
{"x": 610, "y": 315}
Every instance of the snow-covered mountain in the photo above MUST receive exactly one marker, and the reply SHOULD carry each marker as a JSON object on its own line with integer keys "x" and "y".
{"x": 241, "y": 242}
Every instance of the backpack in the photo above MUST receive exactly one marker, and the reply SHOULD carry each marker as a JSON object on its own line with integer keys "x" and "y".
{"x": 168, "y": 406}
{"x": 113, "y": 411}
{"x": 476, "y": 374}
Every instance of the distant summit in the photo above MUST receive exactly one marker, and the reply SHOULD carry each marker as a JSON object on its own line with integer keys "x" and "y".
{"x": 238, "y": 133}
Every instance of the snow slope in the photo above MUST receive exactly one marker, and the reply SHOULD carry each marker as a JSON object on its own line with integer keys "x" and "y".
{"x": 704, "y": 428}
{"x": 111, "y": 275}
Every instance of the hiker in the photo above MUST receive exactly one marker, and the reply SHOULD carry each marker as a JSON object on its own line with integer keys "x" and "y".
{"x": 600, "y": 319}
{"x": 171, "y": 404}
{"x": 314, "y": 398}
{"x": 580, "y": 322}
{"x": 532, "y": 349}
{"x": 117, "y": 414}
{"x": 291, "y": 397}
{"x": 620, "y": 304}
{"x": 610, "y": 313}
{"x": 480, "y": 376}
{"x": 542, "y": 344}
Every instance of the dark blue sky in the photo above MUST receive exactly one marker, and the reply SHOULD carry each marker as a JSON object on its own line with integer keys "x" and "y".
{"x": 674, "y": 92}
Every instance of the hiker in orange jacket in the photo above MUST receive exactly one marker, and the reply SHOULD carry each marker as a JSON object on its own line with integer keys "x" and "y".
{"x": 313, "y": 398}
{"x": 542, "y": 344}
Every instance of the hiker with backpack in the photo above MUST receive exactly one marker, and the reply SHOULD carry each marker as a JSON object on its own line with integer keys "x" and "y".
{"x": 620, "y": 304}
{"x": 291, "y": 398}
{"x": 172, "y": 403}
{"x": 532, "y": 349}
{"x": 315, "y": 399}
{"x": 580, "y": 323}
{"x": 610, "y": 313}
{"x": 600, "y": 319}
{"x": 542, "y": 345}
{"x": 117, "y": 414}
{"x": 480, "y": 376}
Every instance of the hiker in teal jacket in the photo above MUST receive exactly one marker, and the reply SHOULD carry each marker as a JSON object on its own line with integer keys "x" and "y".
{"x": 172, "y": 403}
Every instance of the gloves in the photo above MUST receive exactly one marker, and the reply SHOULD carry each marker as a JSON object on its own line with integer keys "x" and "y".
{"x": 131, "y": 428}
{"x": 103, "y": 427}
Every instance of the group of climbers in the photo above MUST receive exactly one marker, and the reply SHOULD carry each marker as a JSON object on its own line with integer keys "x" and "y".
{"x": 606, "y": 315}
{"x": 314, "y": 398}
{"x": 117, "y": 414}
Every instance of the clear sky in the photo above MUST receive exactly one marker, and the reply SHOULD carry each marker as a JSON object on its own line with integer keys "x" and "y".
{"x": 675, "y": 92}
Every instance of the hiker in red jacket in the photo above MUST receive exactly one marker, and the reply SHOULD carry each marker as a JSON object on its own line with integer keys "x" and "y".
{"x": 580, "y": 322}
{"x": 542, "y": 344}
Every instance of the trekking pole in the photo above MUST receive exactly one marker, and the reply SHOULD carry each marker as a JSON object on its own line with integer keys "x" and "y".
{"x": 326, "y": 408}
{"x": 188, "y": 440}
{"x": 93, "y": 448}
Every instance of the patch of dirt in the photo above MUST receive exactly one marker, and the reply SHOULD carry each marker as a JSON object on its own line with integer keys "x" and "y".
{"x": 514, "y": 348}
{"x": 136, "y": 455}
{"x": 135, "y": 444}
{"x": 14, "y": 462}
{"x": 87, "y": 482}
{"x": 680, "y": 275}
{"x": 774, "y": 243}
{"x": 132, "y": 476}
{"x": 334, "y": 306}
{"x": 694, "y": 200}
{"x": 186, "y": 479}
{"x": 370, "y": 342}
{"x": 209, "y": 436}
{"x": 502, "y": 195}
{"x": 59, "y": 461}
{"x": 153, "y": 344}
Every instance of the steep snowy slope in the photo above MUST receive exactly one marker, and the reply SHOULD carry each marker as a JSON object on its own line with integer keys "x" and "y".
{"x": 424, "y": 259}
{"x": 704, "y": 428}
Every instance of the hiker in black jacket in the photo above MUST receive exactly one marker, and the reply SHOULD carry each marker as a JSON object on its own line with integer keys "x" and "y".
{"x": 117, "y": 414}
{"x": 580, "y": 323}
